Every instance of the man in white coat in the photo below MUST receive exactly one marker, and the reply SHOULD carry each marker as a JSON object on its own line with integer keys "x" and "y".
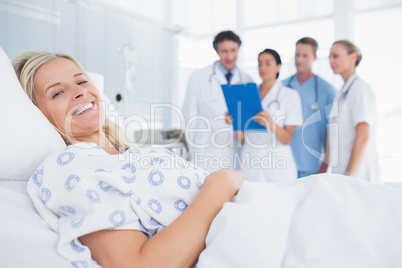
{"x": 211, "y": 141}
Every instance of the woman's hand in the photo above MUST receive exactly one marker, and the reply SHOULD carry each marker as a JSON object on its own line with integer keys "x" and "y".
{"x": 177, "y": 245}
{"x": 284, "y": 134}
{"x": 229, "y": 176}
{"x": 228, "y": 118}
{"x": 239, "y": 135}
{"x": 264, "y": 119}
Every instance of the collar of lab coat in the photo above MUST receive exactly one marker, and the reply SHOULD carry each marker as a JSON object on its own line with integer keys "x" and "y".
{"x": 220, "y": 76}
{"x": 347, "y": 85}
{"x": 224, "y": 70}
{"x": 272, "y": 93}
{"x": 350, "y": 80}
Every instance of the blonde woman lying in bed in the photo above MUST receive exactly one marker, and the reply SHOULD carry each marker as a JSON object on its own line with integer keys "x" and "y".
{"x": 160, "y": 213}
{"x": 60, "y": 88}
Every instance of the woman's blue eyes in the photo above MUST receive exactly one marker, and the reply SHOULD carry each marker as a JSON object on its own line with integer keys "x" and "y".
{"x": 82, "y": 83}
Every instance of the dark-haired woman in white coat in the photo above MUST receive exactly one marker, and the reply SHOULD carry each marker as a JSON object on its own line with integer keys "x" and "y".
{"x": 266, "y": 156}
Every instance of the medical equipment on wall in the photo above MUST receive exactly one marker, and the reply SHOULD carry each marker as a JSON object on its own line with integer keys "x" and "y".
{"x": 171, "y": 139}
{"x": 314, "y": 106}
{"x": 125, "y": 98}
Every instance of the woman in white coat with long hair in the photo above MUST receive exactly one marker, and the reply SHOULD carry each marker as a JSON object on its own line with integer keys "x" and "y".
{"x": 352, "y": 131}
{"x": 266, "y": 155}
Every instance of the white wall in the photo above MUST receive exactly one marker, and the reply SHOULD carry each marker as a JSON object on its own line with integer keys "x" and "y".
{"x": 132, "y": 51}
{"x": 374, "y": 25}
{"x": 166, "y": 40}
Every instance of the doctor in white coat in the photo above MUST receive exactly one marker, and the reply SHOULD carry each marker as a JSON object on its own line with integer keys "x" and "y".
{"x": 211, "y": 141}
{"x": 267, "y": 155}
{"x": 352, "y": 131}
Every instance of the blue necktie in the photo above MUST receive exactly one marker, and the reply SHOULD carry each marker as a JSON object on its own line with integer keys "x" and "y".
{"x": 228, "y": 77}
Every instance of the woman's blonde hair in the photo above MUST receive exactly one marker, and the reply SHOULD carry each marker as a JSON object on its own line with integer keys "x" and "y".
{"x": 351, "y": 48}
{"x": 28, "y": 62}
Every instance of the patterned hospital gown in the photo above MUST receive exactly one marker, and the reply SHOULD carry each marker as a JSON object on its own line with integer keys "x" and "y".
{"x": 83, "y": 189}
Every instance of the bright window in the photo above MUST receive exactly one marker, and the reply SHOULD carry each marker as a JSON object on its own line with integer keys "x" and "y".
{"x": 371, "y": 4}
{"x": 283, "y": 39}
{"x": 376, "y": 33}
{"x": 262, "y": 12}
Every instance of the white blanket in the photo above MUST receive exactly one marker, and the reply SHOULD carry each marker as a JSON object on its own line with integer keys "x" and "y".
{"x": 319, "y": 221}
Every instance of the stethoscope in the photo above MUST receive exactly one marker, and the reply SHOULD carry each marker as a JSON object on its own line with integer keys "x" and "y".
{"x": 314, "y": 106}
{"x": 275, "y": 102}
{"x": 345, "y": 93}
{"x": 213, "y": 74}
{"x": 342, "y": 97}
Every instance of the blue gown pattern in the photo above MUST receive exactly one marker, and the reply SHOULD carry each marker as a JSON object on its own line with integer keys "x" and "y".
{"x": 83, "y": 189}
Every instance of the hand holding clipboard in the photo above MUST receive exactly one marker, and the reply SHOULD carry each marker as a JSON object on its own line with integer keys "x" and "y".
{"x": 243, "y": 102}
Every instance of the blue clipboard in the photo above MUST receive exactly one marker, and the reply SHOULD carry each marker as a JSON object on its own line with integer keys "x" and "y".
{"x": 243, "y": 102}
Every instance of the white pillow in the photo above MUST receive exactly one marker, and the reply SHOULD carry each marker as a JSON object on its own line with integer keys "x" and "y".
{"x": 27, "y": 137}
{"x": 110, "y": 108}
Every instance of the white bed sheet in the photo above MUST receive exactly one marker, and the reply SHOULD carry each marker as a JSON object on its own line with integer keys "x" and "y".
{"x": 320, "y": 221}
{"x": 316, "y": 224}
{"x": 26, "y": 240}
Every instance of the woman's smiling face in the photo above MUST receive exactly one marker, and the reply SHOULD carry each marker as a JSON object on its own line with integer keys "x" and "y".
{"x": 68, "y": 100}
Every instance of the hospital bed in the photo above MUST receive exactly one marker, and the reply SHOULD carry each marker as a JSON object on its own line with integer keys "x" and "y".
{"x": 27, "y": 241}
{"x": 26, "y": 139}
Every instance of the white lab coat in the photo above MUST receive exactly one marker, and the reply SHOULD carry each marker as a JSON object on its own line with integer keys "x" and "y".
{"x": 210, "y": 139}
{"x": 264, "y": 156}
{"x": 358, "y": 105}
